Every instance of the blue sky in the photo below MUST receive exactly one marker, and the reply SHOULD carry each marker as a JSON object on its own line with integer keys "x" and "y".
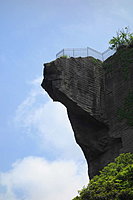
{"x": 38, "y": 153}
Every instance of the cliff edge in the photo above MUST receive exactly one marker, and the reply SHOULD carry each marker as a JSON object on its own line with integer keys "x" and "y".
{"x": 99, "y": 101}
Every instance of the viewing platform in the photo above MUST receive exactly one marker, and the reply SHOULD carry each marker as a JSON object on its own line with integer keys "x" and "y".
{"x": 85, "y": 52}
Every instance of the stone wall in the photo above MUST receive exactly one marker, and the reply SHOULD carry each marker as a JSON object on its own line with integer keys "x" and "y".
{"x": 93, "y": 93}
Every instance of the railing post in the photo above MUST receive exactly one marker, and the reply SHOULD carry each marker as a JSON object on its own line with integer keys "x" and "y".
{"x": 87, "y": 52}
{"x": 73, "y": 52}
{"x": 63, "y": 52}
{"x": 102, "y": 57}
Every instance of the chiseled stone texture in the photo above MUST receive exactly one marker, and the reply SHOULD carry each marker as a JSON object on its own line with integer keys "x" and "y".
{"x": 93, "y": 92}
{"x": 118, "y": 84}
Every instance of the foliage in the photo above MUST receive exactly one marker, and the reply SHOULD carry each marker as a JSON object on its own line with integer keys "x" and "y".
{"x": 126, "y": 112}
{"x": 64, "y": 56}
{"x": 123, "y": 38}
{"x": 96, "y": 61}
{"x": 121, "y": 61}
{"x": 115, "y": 181}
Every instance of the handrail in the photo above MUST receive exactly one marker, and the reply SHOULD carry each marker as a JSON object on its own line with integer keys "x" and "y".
{"x": 85, "y": 52}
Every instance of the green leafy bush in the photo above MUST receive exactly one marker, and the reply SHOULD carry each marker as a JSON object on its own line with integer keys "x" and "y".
{"x": 64, "y": 56}
{"x": 123, "y": 39}
{"x": 115, "y": 181}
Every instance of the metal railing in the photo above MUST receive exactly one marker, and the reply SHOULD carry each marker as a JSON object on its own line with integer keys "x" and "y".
{"x": 85, "y": 52}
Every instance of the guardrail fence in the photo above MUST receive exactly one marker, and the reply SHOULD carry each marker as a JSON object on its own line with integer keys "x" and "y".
{"x": 85, "y": 52}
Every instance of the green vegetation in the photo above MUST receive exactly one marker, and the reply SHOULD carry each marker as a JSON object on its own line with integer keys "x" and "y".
{"x": 126, "y": 112}
{"x": 115, "y": 181}
{"x": 96, "y": 61}
{"x": 64, "y": 56}
{"x": 120, "y": 61}
{"x": 123, "y": 39}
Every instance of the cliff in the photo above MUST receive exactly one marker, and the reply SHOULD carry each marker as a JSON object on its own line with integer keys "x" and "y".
{"x": 99, "y": 101}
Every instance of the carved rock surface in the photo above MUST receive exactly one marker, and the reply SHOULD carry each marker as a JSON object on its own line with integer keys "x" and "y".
{"x": 93, "y": 92}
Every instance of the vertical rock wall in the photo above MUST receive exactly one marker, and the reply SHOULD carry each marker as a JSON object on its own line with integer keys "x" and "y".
{"x": 118, "y": 91}
{"x": 94, "y": 94}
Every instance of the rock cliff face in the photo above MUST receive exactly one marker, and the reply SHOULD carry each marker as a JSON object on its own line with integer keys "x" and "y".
{"x": 95, "y": 95}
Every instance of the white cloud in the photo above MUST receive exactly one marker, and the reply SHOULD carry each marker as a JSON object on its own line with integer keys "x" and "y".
{"x": 35, "y": 178}
{"x": 48, "y": 123}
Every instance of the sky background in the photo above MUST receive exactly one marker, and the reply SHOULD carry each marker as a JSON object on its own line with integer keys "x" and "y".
{"x": 39, "y": 158}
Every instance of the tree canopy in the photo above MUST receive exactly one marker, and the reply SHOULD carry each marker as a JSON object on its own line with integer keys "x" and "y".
{"x": 115, "y": 181}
